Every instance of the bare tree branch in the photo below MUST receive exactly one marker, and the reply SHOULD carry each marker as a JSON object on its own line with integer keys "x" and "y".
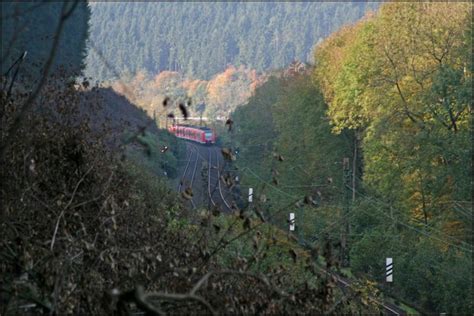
{"x": 27, "y": 105}
{"x": 141, "y": 298}
{"x": 67, "y": 205}
{"x": 18, "y": 31}
{"x": 180, "y": 297}
{"x": 260, "y": 278}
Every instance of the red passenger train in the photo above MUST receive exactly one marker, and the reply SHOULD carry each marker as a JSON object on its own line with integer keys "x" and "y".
{"x": 202, "y": 135}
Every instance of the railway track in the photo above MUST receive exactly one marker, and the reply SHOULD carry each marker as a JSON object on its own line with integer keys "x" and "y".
{"x": 219, "y": 181}
{"x": 209, "y": 168}
{"x": 191, "y": 171}
{"x": 390, "y": 309}
{"x": 215, "y": 193}
{"x": 215, "y": 185}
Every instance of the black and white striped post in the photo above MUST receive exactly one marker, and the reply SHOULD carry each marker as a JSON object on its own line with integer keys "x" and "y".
{"x": 250, "y": 195}
{"x": 292, "y": 222}
{"x": 389, "y": 269}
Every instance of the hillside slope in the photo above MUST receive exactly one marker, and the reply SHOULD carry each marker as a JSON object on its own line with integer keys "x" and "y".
{"x": 201, "y": 40}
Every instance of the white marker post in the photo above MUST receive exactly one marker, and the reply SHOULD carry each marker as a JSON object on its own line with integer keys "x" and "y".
{"x": 250, "y": 195}
{"x": 389, "y": 269}
{"x": 292, "y": 222}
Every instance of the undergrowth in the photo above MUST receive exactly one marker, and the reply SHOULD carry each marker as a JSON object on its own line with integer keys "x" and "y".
{"x": 89, "y": 229}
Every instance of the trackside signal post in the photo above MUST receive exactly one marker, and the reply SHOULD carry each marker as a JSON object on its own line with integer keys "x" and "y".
{"x": 292, "y": 222}
{"x": 250, "y": 199}
{"x": 389, "y": 270}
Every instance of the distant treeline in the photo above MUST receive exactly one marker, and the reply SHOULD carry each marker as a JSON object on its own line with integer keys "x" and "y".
{"x": 200, "y": 40}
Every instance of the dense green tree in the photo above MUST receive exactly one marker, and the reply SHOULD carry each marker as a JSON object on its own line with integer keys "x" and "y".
{"x": 396, "y": 87}
{"x": 161, "y": 36}
{"x": 401, "y": 79}
{"x": 286, "y": 152}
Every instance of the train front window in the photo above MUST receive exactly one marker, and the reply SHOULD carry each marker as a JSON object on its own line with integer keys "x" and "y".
{"x": 208, "y": 135}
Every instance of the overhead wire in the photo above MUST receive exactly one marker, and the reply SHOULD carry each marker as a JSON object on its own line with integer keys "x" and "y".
{"x": 293, "y": 196}
{"x": 386, "y": 215}
{"x": 400, "y": 241}
{"x": 416, "y": 229}
{"x": 380, "y": 202}
{"x": 456, "y": 205}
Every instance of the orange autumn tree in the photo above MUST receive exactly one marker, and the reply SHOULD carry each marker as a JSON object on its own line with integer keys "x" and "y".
{"x": 220, "y": 95}
{"x": 196, "y": 89}
{"x": 231, "y": 88}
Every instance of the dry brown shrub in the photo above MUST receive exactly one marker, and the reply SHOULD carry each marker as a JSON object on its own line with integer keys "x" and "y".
{"x": 82, "y": 235}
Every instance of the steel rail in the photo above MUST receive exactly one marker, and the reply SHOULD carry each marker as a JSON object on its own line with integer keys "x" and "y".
{"x": 183, "y": 178}
{"x": 194, "y": 171}
{"x": 219, "y": 183}
{"x": 209, "y": 177}
{"x": 180, "y": 185}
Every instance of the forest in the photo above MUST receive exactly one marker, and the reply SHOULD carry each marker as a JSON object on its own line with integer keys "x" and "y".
{"x": 392, "y": 94}
{"x": 90, "y": 224}
{"x": 356, "y": 117}
{"x": 216, "y": 54}
{"x": 200, "y": 41}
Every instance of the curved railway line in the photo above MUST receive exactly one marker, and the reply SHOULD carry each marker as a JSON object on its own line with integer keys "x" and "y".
{"x": 216, "y": 198}
{"x": 219, "y": 182}
{"x": 193, "y": 173}
{"x": 211, "y": 188}
{"x": 209, "y": 168}
{"x": 217, "y": 185}
{"x": 215, "y": 190}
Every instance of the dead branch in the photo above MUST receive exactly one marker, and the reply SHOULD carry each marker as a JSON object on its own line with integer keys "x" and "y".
{"x": 257, "y": 277}
{"x": 180, "y": 297}
{"x": 27, "y": 105}
{"x": 67, "y": 205}
{"x": 141, "y": 298}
